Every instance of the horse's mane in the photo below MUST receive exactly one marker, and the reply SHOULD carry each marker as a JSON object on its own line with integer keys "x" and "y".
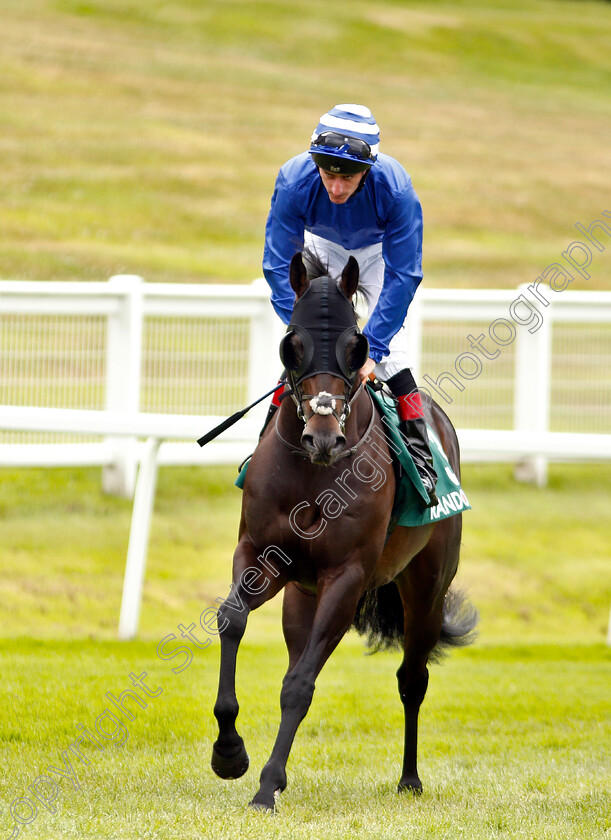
{"x": 317, "y": 267}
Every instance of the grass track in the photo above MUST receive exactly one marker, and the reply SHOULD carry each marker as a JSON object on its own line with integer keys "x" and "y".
{"x": 514, "y": 743}
{"x": 64, "y": 546}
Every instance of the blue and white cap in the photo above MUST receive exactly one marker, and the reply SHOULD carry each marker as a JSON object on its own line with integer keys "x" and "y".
{"x": 347, "y": 132}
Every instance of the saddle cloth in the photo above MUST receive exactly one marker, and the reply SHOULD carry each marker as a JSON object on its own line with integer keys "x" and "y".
{"x": 410, "y": 495}
{"x": 408, "y": 507}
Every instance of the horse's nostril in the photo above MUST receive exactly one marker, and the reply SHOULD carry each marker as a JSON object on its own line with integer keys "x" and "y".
{"x": 340, "y": 443}
{"x": 307, "y": 441}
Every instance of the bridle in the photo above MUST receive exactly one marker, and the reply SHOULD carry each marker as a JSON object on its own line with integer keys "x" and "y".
{"x": 323, "y": 338}
{"x": 298, "y": 397}
{"x": 324, "y": 403}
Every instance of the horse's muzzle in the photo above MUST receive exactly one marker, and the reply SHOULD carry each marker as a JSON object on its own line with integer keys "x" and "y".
{"x": 323, "y": 447}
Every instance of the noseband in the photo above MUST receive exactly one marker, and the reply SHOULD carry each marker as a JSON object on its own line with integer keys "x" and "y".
{"x": 324, "y": 403}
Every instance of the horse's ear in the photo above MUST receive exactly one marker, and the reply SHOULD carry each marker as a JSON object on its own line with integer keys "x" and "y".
{"x": 298, "y": 275}
{"x": 350, "y": 278}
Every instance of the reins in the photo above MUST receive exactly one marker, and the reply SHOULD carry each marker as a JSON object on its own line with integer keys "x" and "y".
{"x": 230, "y": 421}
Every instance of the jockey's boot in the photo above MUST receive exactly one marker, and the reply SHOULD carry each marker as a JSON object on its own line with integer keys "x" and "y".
{"x": 412, "y": 426}
{"x": 417, "y": 439}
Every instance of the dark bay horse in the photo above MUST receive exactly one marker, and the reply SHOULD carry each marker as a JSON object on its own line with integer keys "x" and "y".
{"x": 315, "y": 515}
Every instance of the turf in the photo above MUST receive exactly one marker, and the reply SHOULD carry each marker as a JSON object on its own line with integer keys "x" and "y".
{"x": 514, "y": 734}
{"x": 514, "y": 742}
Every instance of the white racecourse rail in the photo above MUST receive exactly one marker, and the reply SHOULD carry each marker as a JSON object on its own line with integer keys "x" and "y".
{"x": 123, "y": 373}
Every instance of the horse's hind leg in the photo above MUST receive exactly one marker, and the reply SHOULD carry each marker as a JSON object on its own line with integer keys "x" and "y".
{"x": 423, "y": 610}
{"x": 298, "y": 611}
{"x": 229, "y": 756}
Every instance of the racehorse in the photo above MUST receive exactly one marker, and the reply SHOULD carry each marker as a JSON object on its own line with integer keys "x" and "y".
{"x": 318, "y": 529}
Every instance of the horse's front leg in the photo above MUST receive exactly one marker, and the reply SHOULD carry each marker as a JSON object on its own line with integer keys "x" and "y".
{"x": 338, "y": 597}
{"x": 253, "y": 585}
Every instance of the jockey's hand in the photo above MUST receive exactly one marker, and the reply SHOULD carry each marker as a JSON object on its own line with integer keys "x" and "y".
{"x": 366, "y": 370}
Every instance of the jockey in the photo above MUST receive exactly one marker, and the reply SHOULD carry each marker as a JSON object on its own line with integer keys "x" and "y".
{"x": 343, "y": 198}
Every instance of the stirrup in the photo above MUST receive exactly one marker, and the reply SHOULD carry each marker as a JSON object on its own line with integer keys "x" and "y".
{"x": 433, "y": 500}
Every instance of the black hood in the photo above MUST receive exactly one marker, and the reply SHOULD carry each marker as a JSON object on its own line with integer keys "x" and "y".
{"x": 324, "y": 320}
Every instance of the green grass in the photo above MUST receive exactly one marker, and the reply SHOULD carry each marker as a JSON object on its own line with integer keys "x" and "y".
{"x": 145, "y": 138}
{"x": 537, "y": 560}
{"x": 513, "y": 743}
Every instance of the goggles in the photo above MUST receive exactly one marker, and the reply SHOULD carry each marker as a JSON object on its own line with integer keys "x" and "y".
{"x": 339, "y": 142}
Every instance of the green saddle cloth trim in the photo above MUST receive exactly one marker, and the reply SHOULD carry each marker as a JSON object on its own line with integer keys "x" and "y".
{"x": 410, "y": 495}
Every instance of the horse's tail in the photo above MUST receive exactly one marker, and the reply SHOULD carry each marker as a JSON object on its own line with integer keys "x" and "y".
{"x": 458, "y": 623}
{"x": 379, "y": 616}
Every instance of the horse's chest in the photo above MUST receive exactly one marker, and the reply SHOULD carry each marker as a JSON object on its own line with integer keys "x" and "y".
{"x": 302, "y": 540}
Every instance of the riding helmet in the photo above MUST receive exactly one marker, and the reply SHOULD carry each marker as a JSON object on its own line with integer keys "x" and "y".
{"x": 346, "y": 140}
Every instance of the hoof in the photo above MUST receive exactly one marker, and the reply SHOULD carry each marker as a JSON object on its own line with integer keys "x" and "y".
{"x": 262, "y": 807}
{"x": 230, "y": 766}
{"x": 263, "y": 804}
{"x": 413, "y": 786}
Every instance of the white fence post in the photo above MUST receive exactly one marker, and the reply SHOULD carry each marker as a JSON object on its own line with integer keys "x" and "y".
{"x": 123, "y": 368}
{"x": 135, "y": 565}
{"x": 532, "y": 390}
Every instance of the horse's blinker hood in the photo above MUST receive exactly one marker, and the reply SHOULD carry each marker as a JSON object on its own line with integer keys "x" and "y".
{"x": 324, "y": 321}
